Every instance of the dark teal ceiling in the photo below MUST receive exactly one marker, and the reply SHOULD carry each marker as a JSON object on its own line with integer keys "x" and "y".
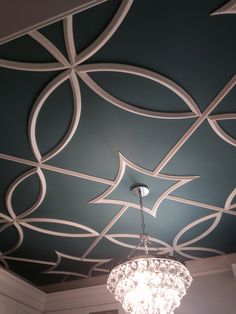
{"x": 71, "y": 232}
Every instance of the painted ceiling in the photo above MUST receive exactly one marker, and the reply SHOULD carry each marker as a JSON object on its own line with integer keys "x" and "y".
{"x": 125, "y": 92}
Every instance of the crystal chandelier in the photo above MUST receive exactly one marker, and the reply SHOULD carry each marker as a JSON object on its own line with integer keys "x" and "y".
{"x": 148, "y": 284}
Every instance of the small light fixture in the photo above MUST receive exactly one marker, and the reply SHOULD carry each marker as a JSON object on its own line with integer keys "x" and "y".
{"x": 148, "y": 284}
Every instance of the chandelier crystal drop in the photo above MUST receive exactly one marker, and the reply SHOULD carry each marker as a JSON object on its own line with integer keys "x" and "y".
{"x": 148, "y": 284}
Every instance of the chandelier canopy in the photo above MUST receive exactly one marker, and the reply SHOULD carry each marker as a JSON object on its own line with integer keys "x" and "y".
{"x": 148, "y": 284}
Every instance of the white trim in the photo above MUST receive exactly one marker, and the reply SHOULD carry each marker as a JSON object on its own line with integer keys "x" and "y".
{"x": 228, "y": 8}
{"x": 21, "y": 291}
{"x": 211, "y": 265}
{"x": 34, "y": 21}
{"x": 78, "y": 299}
{"x": 234, "y": 269}
{"x": 213, "y": 121}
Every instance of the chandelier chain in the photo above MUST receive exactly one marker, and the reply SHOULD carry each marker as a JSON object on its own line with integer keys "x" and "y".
{"x": 134, "y": 250}
{"x": 144, "y": 236}
{"x": 141, "y": 210}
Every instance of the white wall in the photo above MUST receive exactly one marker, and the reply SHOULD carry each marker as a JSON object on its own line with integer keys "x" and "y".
{"x": 19, "y": 297}
{"x": 210, "y": 294}
{"x": 81, "y": 301}
{"x": 10, "y": 306}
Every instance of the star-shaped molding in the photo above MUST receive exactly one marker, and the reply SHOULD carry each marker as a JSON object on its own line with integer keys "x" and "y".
{"x": 95, "y": 265}
{"x": 123, "y": 163}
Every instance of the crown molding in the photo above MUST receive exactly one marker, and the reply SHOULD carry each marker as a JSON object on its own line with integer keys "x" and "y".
{"x": 21, "y": 291}
{"x": 211, "y": 265}
{"x": 20, "y": 17}
{"x": 78, "y": 298}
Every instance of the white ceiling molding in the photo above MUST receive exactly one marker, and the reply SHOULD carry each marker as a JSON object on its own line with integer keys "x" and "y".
{"x": 83, "y": 71}
{"x": 165, "y": 247}
{"x": 124, "y": 163}
{"x": 74, "y": 59}
{"x": 228, "y": 8}
{"x": 219, "y": 131}
{"x": 72, "y": 69}
{"x": 97, "y": 263}
{"x": 66, "y": 75}
{"x": 209, "y": 109}
{"x": 102, "y": 198}
{"x": 28, "y": 15}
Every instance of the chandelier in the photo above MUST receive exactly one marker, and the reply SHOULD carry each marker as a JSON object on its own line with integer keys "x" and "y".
{"x": 148, "y": 284}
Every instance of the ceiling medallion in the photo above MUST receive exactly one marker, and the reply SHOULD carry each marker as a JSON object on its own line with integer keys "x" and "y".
{"x": 148, "y": 284}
